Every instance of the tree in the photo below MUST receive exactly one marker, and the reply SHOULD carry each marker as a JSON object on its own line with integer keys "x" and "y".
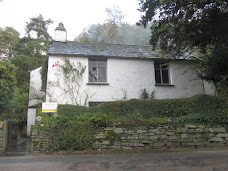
{"x": 127, "y": 34}
{"x": 8, "y": 38}
{"x": 24, "y": 64}
{"x": 133, "y": 35}
{"x": 114, "y": 31}
{"x": 7, "y": 82}
{"x": 196, "y": 25}
{"x": 37, "y": 26}
{"x": 33, "y": 48}
{"x": 37, "y": 44}
{"x": 114, "y": 20}
{"x": 115, "y": 15}
{"x": 92, "y": 33}
{"x": 30, "y": 53}
{"x": 214, "y": 68}
{"x": 20, "y": 98}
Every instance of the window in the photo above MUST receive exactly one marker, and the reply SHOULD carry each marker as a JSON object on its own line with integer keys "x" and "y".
{"x": 97, "y": 71}
{"x": 91, "y": 104}
{"x": 161, "y": 73}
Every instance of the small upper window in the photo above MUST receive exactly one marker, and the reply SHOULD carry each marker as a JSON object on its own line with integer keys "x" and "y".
{"x": 97, "y": 70}
{"x": 161, "y": 73}
{"x": 91, "y": 104}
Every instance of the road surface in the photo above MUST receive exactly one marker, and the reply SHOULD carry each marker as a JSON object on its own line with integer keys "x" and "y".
{"x": 208, "y": 160}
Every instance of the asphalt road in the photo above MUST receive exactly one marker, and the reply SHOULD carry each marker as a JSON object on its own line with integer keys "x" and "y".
{"x": 208, "y": 160}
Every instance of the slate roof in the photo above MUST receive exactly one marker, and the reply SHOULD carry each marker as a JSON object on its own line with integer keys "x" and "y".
{"x": 98, "y": 50}
{"x": 85, "y": 49}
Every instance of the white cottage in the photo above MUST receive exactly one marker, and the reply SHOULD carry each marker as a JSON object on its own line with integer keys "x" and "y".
{"x": 114, "y": 72}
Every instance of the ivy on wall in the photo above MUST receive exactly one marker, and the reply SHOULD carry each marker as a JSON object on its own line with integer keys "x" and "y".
{"x": 44, "y": 71}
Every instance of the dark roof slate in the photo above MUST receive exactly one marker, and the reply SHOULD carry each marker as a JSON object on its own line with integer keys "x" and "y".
{"x": 99, "y": 49}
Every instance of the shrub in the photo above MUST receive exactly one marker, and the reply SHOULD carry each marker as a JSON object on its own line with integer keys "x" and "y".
{"x": 70, "y": 133}
{"x": 111, "y": 136}
{"x": 74, "y": 132}
{"x": 144, "y": 95}
{"x": 71, "y": 110}
{"x": 205, "y": 106}
{"x": 101, "y": 120}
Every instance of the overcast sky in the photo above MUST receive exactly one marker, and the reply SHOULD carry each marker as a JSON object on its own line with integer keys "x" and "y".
{"x": 75, "y": 14}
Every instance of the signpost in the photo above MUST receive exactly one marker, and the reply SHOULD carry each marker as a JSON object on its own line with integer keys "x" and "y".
{"x": 49, "y": 107}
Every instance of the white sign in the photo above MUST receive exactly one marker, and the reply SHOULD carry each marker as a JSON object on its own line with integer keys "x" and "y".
{"x": 49, "y": 107}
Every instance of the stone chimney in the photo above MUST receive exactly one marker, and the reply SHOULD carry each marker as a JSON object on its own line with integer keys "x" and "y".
{"x": 60, "y": 33}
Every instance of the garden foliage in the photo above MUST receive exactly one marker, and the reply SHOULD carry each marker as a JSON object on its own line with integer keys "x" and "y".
{"x": 7, "y": 82}
{"x": 74, "y": 132}
{"x": 75, "y": 126}
{"x": 207, "y": 109}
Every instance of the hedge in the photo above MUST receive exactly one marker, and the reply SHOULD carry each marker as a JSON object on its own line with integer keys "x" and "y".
{"x": 69, "y": 110}
{"x": 199, "y": 104}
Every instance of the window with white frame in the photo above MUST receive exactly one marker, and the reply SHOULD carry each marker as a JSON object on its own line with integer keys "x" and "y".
{"x": 97, "y": 71}
{"x": 161, "y": 73}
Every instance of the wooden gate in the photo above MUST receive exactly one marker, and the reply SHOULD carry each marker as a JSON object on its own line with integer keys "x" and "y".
{"x": 12, "y": 134}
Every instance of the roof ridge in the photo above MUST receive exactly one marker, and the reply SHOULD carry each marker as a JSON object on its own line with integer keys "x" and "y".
{"x": 100, "y": 43}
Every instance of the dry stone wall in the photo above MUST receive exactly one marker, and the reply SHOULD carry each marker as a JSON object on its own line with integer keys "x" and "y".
{"x": 161, "y": 136}
{"x": 40, "y": 138}
{"x": 121, "y": 137}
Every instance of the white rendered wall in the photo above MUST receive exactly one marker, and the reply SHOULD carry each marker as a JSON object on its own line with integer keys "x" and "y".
{"x": 184, "y": 80}
{"x": 36, "y": 96}
{"x": 60, "y": 35}
{"x": 127, "y": 76}
{"x": 31, "y": 118}
{"x": 209, "y": 88}
{"x": 56, "y": 84}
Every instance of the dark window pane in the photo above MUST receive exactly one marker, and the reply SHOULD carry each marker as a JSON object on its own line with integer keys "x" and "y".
{"x": 92, "y": 74}
{"x": 102, "y": 63}
{"x": 102, "y": 75}
{"x": 165, "y": 76}
{"x": 97, "y": 70}
{"x": 156, "y": 65}
{"x": 94, "y": 103}
{"x": 157, "y": 76}
{"x": 92, "y": 64}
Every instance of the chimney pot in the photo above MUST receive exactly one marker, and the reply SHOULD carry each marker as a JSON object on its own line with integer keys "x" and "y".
{"x": 60, "y": 33}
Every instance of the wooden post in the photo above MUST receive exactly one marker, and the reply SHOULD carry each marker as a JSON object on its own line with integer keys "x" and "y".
{"x": 5, "y": 135}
